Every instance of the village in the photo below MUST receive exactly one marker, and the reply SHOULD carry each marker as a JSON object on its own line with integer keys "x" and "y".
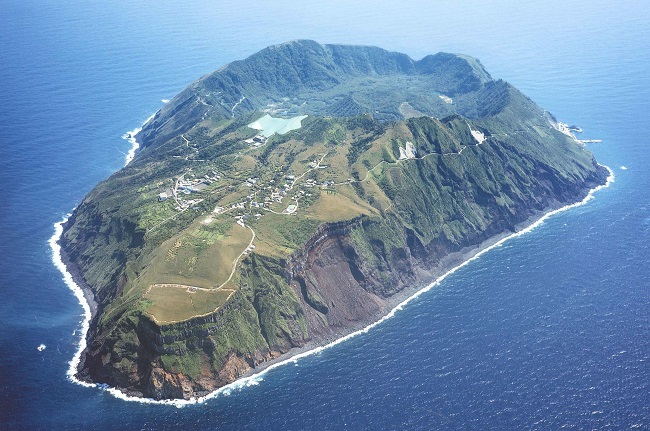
{"x": 280, "y": 193}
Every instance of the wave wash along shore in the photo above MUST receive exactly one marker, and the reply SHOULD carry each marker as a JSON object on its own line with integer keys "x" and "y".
{"x": 255, "y": 378}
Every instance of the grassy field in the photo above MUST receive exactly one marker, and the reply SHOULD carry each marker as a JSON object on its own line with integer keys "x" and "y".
{"x": 279, "y": 235}
{"x": 341, "y": 205}
{"x": 173, "y": 302}
{"x": 202, "y": 256}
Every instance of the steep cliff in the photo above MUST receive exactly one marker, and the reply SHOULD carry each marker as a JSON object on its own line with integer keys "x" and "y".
{"x": 243, "y": 229}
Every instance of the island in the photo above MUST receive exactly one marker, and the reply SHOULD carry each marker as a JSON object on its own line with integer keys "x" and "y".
{"x": 296, "y": 196}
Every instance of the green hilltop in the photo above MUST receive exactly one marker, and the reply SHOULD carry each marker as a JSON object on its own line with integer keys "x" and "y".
{"x": 294, "y": 196}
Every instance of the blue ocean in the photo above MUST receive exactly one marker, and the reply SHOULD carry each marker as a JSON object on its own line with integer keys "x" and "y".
{"x": 550, "y": 330}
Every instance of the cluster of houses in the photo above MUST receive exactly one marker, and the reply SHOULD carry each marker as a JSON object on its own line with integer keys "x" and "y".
{"x": 242, "y": 218}
{"x": 274, "y": 191}
{"x": 310, "y": 184}
{"x": 275, "y": 194}
{"x": 188, "y": 203}
{"x": 187, "y": 187}
{"x": 315, "y": 164}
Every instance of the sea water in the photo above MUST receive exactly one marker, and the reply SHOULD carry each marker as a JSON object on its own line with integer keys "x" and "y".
{"x": 549, "y": 330}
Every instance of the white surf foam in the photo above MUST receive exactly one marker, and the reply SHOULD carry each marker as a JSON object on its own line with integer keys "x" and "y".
{"x": 130, "y": 136}
{"x": 67, "y": 278}
{"x": 255, "y": 379}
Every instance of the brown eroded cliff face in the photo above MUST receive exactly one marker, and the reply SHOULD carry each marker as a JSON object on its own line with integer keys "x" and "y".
{"x": 342, "y": 289}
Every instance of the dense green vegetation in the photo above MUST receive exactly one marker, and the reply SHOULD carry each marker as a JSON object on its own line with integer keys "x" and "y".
{"x": 200, "y": 252}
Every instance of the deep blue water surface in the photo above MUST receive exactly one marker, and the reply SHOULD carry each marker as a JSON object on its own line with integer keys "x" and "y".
{"x": 550, "y": 331}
